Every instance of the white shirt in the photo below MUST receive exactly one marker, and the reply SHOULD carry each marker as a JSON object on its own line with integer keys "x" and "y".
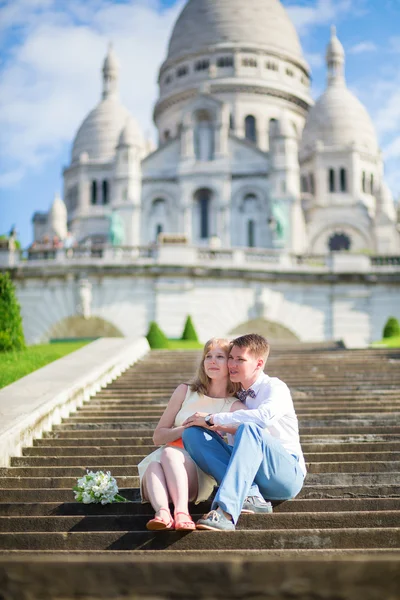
{"x": 272, "y": 409}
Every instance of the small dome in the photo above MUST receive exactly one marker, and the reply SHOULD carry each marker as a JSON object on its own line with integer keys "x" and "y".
{"x": 261, "y": 23}
{"x": 131, "y": 134}
{"x": 339, "y": 119}
{"x": 99, "y": 133}
{"x": 111, "y": 62}
{"x": 335, "y": 48}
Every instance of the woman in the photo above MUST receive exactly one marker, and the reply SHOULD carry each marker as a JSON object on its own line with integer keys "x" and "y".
{"x": 168, "y": 473}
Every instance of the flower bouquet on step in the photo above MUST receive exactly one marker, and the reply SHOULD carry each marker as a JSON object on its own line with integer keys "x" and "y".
{"x": 97, "y": 488}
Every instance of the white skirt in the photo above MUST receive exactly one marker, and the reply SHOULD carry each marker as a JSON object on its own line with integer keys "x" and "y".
{"x": 206, "y": 483}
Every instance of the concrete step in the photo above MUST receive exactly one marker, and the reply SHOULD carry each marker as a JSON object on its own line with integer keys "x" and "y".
{"x": 133, "y": 508}
{"x": 321, "y": 469}
{"x": 376, "y": 537}
{"x": 113, "y": 523}
{"x": 60, "y": 494}
{"x": 131, "y": 459}
{"x": 368, "y": 425}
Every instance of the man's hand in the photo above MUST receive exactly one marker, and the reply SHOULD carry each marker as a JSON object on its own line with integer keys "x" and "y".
{"x": 196, "y": 420}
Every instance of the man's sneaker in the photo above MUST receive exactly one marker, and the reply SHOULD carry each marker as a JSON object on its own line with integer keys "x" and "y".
{"x": 256, "y": 505}
{"x": 215, "y": 521}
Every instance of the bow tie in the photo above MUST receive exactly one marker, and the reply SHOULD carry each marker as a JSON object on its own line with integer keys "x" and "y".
{"x": 242, "y": 394}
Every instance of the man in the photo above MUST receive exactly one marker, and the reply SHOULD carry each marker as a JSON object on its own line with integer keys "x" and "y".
{"x": 266, "y": 460}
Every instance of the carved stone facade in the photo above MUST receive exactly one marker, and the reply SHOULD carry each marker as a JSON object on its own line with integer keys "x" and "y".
{"x": 243, "y": 156}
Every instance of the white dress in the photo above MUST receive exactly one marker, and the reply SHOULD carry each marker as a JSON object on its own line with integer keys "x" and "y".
{"x": 194, "y": 402}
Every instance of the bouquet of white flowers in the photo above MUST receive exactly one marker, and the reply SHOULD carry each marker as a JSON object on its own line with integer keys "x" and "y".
{"x": 97, "y": 488}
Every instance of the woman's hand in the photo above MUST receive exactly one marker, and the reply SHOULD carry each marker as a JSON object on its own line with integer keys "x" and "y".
{"x": 196, "y": 420}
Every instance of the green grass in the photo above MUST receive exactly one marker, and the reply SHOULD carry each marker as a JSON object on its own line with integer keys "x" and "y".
{"x": 184, "y": 345}
{"x": 14, "y": 365}
{"x": 392, "y": 342}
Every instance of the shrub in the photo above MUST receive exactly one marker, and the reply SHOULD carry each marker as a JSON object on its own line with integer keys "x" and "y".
{"x": 189, "y": 332}
{"x": 156, "y": 337}
{"x": 392, "y": 328}
{"x": 11, "y": 331}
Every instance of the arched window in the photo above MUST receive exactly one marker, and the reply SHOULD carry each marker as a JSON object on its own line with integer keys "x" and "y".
{"x": 339, "y": 242}
{"x": 364, "y": 182}
{"x": 159, "y": 229}
{"x": 204, "y": 136}
{"x": 304, "y": 184}
{"x": 202, "y": 65}
{"x": 343, "y": 180}
{"x": 250, "y": 128}
{"x": 93, "y": 198}
{"x": 231, "y": 122}
{"x": 105, "y": 191}
{"x": 332, "y": 185}
{"x": 372, "y": 183}
{"x": 203, "y": 198}
{"x": 312, "y": 183}
{"x": 273, "y": 127}
{"x": 251, "y": 233}
{"x": 225, "y": 61}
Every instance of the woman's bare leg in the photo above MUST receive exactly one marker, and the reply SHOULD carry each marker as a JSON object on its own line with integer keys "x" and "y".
{"x": 155, "y": 489}
{"x": 181, "y": 477}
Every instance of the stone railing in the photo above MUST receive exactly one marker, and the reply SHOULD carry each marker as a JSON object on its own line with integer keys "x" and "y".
{"x": 186, "y": 255}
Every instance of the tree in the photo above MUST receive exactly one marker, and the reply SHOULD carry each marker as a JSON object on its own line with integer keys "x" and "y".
{"x": 189, "y": 332}
{"x": 156, "y": 337}
{"x": 392, "y": 328}
{"x": 11, "y": 330}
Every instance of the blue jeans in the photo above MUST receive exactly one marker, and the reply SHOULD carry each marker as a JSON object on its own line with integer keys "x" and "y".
{"x": 256, "y": 465}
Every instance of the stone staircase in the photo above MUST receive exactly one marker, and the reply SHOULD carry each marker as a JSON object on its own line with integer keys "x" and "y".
{"x": 338, "y": 540}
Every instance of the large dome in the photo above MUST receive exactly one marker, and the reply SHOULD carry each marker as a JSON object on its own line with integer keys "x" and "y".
{"x": 261, "y": 23}
{"x": 339, "y": 119}
{"x": 99, "y": 133}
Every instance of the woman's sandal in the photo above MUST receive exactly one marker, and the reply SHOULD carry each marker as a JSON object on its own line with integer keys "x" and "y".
{"x": 184, "y": 524}
{"x": 158, "y": 523}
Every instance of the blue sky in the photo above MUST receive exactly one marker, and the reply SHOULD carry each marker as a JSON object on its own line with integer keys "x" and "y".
{"x": 50, "y": 60}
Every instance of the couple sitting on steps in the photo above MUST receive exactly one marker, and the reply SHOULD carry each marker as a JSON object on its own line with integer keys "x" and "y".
{"x": 262, "y": 461}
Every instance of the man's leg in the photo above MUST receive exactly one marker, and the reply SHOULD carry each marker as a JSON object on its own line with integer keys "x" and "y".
{"x": 208, "y": 450}
{"x": 260, "y": 458}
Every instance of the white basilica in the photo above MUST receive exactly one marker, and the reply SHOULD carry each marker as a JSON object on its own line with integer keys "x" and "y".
{"x": 244, "y": 155}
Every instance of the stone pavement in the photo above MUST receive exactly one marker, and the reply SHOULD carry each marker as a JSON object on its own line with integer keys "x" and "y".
{"x": 338, "y": 540}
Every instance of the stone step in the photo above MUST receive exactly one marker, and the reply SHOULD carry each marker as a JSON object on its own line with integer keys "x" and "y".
{"x": 56, "y": 459}
{"x": 321, "y": 444}
{"x": 370, "y": 426}
{"x": 376, "y": 537}
{"x": 367, "y": 418}
{"x": 288, "y": 521}
{"x": 320, "y": 468}
{"x": 325, "y": 412}
{"x": 133, "y": 508}
{"x": 330, "y": 453}
{"x": 54, "y": 494}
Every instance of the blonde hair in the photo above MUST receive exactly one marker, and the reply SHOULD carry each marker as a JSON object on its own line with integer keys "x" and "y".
{"x": 256, "y": 344}
{"x": 202, "y": 381}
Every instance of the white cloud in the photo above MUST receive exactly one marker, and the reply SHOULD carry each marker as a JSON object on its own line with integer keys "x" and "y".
{"x": 394, "y": 44}
{"x": 324, "y": 12}
{"x": 315, "y": 59}
{"x": 363, "y": 47}
{"x": 53, "y": 78}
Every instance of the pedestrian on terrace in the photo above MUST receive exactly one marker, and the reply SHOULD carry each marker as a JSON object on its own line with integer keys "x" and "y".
{"x": 169, "y": 474}
{"x": 264, "y": 461}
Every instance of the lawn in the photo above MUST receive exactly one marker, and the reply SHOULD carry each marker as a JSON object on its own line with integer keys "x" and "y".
{"x": 392, "y": 342}
{"x": 183, "y": 345}
{"x": 14, "y": 365}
